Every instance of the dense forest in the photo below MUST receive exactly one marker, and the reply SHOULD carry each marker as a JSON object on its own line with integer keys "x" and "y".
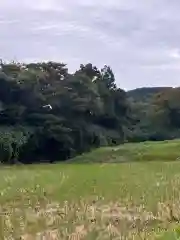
{"x": 48, "y": 114}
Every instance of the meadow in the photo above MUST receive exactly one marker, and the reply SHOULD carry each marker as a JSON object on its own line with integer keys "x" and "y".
{"x": 126, "y": 192}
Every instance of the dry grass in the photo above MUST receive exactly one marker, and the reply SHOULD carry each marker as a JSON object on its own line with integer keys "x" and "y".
{"x": 79, "y": 202}
{"x": 84, "y": 221}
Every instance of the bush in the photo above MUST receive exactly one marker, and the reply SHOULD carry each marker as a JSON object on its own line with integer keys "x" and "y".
{"x": 6, "y": 152}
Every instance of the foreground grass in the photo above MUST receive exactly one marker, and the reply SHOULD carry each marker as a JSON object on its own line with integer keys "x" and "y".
{"x": 89, "y": 201}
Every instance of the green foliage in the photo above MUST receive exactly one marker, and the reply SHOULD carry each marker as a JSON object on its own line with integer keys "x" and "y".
{"x": 13, "y": 138}
{"x": 6, "y": 152}
{"x": 69, "y": 114}
{"x": 156, "y": 112}
{"x": 145, "y": 94}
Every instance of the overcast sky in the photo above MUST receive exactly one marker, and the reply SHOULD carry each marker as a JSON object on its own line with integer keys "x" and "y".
{"x": 139, "y": 39}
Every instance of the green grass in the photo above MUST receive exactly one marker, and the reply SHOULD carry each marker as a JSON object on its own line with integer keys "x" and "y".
{"x": 136, "y": 200}
{"x": 147, "y": 151}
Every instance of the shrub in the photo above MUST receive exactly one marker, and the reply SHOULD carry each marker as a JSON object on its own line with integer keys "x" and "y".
{"x": 6, "y": 152}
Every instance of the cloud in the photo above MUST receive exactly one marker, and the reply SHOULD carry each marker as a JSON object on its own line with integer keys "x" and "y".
{"x": 139, "y": 39}
{"x": 175, "y": 53}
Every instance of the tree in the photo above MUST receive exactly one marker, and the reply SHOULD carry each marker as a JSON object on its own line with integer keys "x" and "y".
{"x": 6, "y": 152}
{"x": 167, "y": 108}
{"x": 87, "y": 109}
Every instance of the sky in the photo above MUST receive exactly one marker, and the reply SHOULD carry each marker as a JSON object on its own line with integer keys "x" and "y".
{"x": 139, "y": 39}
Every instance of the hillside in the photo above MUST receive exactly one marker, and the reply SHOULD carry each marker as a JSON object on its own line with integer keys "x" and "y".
{"x": 130, "y": 152}
{"x": 144, "y": 94}
{"x": 156, "y": 113}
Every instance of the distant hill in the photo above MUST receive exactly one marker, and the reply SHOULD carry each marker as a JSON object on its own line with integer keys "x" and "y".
{"x": 144, "y": 94}
{"x": 141, "y": 103}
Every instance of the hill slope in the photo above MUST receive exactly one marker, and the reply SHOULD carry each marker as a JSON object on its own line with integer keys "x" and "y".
{"x": 144, "y": 94}
{"x": 145, "y": 151}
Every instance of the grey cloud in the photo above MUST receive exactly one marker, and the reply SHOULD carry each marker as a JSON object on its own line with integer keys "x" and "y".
{"x": 139, "y": 39}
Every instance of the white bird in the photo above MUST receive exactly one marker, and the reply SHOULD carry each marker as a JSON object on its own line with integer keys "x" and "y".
{"x": 48, "y": 106}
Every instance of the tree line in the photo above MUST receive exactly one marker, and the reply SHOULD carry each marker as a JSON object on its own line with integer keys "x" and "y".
{"x": 48, "y": 114}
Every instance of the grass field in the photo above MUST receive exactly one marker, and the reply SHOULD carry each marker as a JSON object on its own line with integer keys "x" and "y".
{"x": 132, "y": 191}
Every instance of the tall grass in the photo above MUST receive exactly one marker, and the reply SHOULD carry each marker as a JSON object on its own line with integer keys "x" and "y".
{"x": 134, "y": 200}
